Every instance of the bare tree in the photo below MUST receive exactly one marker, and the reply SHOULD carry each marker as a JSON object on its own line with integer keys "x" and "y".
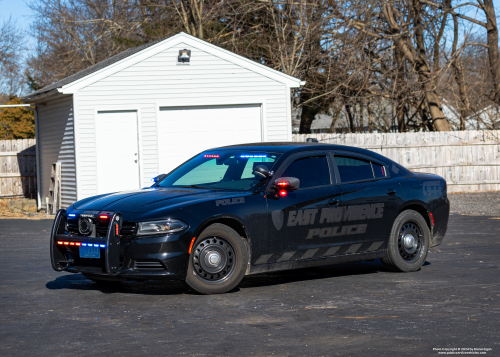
{"x": 11, "y": 50}
{"x": 75, "y": 34}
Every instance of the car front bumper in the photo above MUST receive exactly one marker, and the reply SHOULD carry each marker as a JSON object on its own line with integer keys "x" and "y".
{"x": 155, "y": 257}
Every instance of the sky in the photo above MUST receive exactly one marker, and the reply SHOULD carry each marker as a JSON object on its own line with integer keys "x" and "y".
{"x": 18, "y": 10}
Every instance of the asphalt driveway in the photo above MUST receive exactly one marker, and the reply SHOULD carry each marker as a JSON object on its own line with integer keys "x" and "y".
{"x": 357, "y": 309}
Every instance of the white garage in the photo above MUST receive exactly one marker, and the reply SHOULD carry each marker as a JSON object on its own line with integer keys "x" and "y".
{"x": 143, "y": 112}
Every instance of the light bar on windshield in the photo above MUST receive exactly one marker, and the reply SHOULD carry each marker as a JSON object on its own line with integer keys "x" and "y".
{"x": 250, "y": 156}
{"x": 212, "y": 156}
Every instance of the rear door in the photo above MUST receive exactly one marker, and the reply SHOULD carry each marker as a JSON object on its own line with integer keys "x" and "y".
{"x": 294, "y": 220}
{"x": 371, "y": 201}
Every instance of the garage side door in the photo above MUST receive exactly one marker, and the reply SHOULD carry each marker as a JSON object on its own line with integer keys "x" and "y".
{"x": 117, "y": 151}
{"x": 184, "y": 132}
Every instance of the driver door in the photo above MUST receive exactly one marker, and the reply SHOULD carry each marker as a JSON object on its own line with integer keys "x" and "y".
{"x": 295, "y": 231}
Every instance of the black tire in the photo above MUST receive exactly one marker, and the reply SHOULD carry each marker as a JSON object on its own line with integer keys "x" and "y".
{"x": 218, "y": 260}
{"x": 103, "y": 280}
{"x": 409, "y": 242}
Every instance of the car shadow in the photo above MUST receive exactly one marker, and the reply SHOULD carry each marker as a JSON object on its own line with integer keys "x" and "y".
{"x": 316, "y": 273}
{"x": 146, "y": 287}
{"x": 174, "y": 287}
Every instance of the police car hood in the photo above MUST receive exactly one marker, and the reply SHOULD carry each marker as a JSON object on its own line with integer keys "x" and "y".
{"x": 151, "y": 199}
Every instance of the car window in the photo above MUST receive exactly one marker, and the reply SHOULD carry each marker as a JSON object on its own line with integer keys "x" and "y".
{"x": 379, "y": 170}
{"x": 353, "y": 169}
{"x": 253, "y": 162}
{"x": 207, "y": 172}
{"x": 312, "y": 171}
{"x": 225, "y": 169}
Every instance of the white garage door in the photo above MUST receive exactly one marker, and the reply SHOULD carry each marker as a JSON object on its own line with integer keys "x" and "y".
{"x": 184, "y": 132}
{"x": 117, "y": 151}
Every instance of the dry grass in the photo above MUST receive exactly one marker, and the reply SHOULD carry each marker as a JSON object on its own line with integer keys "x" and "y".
{"x": 5, "y": 213}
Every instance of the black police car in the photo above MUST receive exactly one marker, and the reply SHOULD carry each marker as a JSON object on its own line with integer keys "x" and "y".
{"x": 254, "y": 208}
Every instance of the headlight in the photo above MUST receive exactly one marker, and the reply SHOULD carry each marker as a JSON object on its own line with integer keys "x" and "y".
{"x": 161, "y": 227}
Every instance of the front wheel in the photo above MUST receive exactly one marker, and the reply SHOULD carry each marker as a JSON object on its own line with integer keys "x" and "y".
{"x": 409, "y": 242}
{"x": 218, "y": 260}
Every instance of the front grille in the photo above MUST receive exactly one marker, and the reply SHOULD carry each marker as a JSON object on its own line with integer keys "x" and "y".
{"x": 147, "y": 265}
{"x": 128, "y": 229}
{"x": 73, "y": 226}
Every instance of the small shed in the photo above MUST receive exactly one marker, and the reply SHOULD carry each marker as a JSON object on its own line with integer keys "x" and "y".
{"x": 117, "y": 124}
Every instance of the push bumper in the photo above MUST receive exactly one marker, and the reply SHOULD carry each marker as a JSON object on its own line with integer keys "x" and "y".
{"x": 163, "y": 257}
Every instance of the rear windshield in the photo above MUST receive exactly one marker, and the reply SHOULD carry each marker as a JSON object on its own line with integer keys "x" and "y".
{"x": 228, "y": 170}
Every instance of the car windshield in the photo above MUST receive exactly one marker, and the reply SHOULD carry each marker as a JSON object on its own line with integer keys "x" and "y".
{"x": 225, "y": 170}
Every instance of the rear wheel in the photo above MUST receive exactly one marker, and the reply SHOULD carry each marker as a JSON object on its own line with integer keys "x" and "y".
{"x": 218, "y": 260}
{"x": 408, "y": 243}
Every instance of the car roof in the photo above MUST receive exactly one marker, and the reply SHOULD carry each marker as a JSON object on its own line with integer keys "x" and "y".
{"x": 292, "y": 147}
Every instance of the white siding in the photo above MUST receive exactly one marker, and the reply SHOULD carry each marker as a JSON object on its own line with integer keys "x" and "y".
{"x": 159, "y": 81}
{"x": 56, "y": 143}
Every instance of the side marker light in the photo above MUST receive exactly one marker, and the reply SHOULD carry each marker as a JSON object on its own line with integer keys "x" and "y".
{"x": 191, "y": 245}
{"x": 283, "y": 193}
{"x": 71, "y": 215}
{"x": 432, "y": 217}
{"x": 116, "y": 228}
{"x": 103, "y": 217}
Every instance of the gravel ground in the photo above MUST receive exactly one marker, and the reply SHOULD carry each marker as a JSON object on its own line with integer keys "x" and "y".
{"x": 479, "y": 203}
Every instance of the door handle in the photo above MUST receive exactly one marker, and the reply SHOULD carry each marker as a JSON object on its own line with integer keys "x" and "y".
{"x": 333, "y": 202}
{"x": 391, "y": 192}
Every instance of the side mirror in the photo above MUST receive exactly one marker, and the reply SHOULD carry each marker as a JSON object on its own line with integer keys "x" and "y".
{"x": 158, "y": 178}
{"x": 262, "y": 171}
{"x": 287, "y": 183}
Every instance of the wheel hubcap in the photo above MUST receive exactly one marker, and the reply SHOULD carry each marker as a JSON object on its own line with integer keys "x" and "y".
{"x": 214, "y": 260}
{"x": 410, "y": 242}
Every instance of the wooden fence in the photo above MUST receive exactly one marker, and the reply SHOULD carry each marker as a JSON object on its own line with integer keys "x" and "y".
{"x": 468, "y": 160}
{"x": 18, "y": 168}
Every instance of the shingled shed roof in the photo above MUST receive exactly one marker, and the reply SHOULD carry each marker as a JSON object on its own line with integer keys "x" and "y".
{"x": 96, "y": 67}
{"x": 292, "y": 81}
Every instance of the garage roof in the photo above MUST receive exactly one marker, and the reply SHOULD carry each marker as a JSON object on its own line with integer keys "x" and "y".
{"x": 128, "y": 57}
{"x": 98, "y": 66}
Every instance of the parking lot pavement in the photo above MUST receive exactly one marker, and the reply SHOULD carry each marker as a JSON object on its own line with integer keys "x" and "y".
{"x": 344, "y": 310}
